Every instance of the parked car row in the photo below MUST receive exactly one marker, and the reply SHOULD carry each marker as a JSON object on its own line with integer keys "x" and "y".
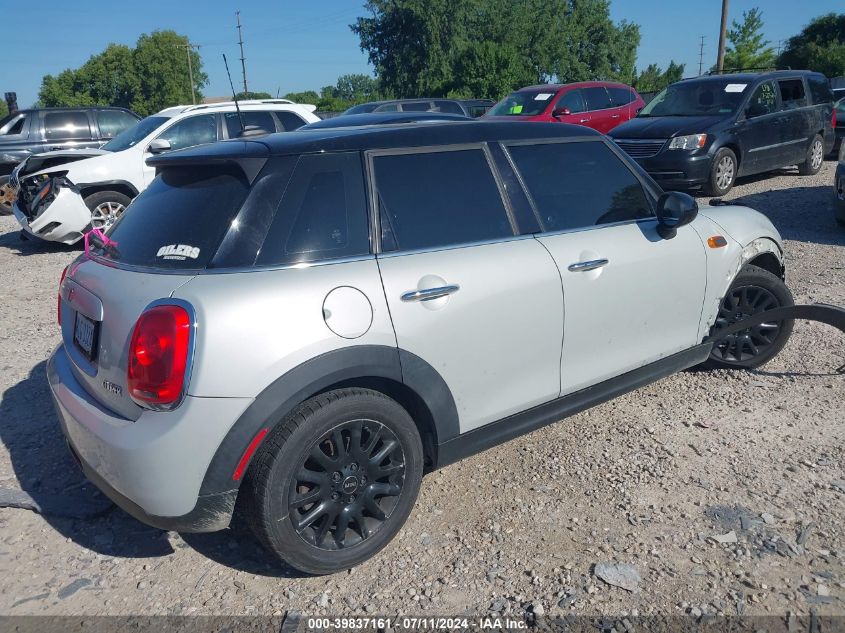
{"x": 60, "y": 195}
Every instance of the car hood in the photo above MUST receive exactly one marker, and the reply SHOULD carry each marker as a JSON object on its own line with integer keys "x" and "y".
{"x": 86, "y": 161}
{"x": 664, "y": 126}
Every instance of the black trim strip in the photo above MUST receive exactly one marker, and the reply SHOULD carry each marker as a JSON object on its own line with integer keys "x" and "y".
{"x": 495, "y": 433}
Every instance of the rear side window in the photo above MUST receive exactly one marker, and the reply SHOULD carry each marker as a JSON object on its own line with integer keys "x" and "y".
{"x": 448, "y": 106}
{"x": 12, "y": 125}
{"x": 195, "y": 130}
{"x": 597, "y": 98}
{"x": 322, "y": 214}
{"x": 263, "y": 120}
{"x": 290, "y": 121}
{"x": 419, "y": 106}
{"x": 579, "y": 185}
{"x": 67, "y": 125}
{"x": 437, "y": 199}
{"x": 621, "y": 96}
{"x": 179, "y": 220}
{"x": 792, "y": 94}
{"x": 113, "y": 122}
{"x": 819, "y": 89}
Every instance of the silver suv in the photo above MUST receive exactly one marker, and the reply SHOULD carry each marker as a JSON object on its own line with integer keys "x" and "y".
{"x": 305, "y": 323}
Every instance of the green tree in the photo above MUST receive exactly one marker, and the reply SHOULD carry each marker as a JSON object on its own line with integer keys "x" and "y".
{"x": 653, "y": 78}
{"x": 356, "y": 88}
{"x": 4, "y": 108}
{"x": 441, "y": 47}
{"x": 309, "y": 96}
{"x": 748, "y": 47}
{"x": 820, "y": 46}
{"x": 253, "y": 95}
{"x": 152, "y": 76}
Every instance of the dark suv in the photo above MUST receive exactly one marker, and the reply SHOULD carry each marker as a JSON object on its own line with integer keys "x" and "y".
{"x": 28, "y": 132}
{"x": 704, "y": 132}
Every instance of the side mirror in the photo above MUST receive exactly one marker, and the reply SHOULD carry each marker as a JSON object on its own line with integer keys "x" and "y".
{"x": 674, "y": 210}
{"x": 561, "y": 112}
{"x": 159, "y": 146}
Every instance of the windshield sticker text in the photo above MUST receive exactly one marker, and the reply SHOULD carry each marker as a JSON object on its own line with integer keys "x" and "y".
{"x": 178, "y": 251}
{"x": 543, "y": 96}
{"x": 735, "y": 87}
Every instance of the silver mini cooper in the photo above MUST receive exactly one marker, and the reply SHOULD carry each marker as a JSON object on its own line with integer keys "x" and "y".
{"x": 304, "y": 324}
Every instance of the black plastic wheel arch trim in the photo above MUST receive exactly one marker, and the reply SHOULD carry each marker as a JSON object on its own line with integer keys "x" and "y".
{"x": 821, "y": 312}
{"x": 318, "y": 374}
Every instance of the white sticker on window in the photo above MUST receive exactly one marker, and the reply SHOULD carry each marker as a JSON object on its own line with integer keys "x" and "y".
{"x": 735, "y": 87}
{"x": 544, "y": 96}
{"x": 178, "y": 251}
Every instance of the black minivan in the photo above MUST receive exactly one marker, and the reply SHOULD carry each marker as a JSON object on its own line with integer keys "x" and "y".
{"x": 706, "y": 131}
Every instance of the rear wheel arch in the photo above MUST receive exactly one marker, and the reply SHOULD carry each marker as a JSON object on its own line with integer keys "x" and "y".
{"x": 411, "y": 382}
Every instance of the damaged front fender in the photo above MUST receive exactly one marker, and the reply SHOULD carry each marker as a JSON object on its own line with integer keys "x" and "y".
{"x": 65, "y": 218}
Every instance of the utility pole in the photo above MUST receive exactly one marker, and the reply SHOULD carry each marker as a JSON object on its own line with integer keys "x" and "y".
{"x": 188, "y": 47}
{"x": 241, "y": 42}
{"x": 701, "y": 56}
{"x": 720, "y": 60}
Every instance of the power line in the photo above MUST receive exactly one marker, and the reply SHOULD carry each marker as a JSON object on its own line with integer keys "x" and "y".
{"x": 241, "y": 43}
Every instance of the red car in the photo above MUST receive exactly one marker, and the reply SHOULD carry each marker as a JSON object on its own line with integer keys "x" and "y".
{"x": 601, "y": 105}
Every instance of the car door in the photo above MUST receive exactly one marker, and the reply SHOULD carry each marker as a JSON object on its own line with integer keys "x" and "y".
{"x": 600, "y": 109}
{"x": 622, "y": 100}
{"x": 67, "y": 129}
{"x": 795, "y": 120}
{"x": 761, "y": 130}
{"x": 188, "y": 132}
{"x": 469, "y": 296}
{"x": 630, "y": 297}
{"x": 572, "y": 100}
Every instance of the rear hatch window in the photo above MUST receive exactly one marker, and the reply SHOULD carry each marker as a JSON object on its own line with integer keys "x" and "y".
{"x": 179, "y": 221}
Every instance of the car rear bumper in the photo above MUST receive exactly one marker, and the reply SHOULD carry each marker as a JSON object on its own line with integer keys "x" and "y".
{"x": 152, "y": 467}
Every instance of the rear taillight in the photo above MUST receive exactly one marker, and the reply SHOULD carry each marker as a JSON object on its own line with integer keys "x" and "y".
{"x": 158, "y": 356}
{"x": 59, "y": 300}
{"x": 833, "y": 118}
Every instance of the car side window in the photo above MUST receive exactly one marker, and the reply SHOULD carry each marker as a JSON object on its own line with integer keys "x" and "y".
{"x": 417, "y": 106}
{"x": 13, "y": 126}
{"x": 620, "y": 96}
{"x": 448, "y": 106}
{"x": 290, "y": 121}
{"x": 792, "y": 94}
{"x": 113, "y": 122}
{"x": 763, "y": 101}
{"x": 69, "y": 125}
{"x": 195, "y": 130}
{"x": 263, "y": 120}
{"x": 820, "y": 89}
{"x": 579, "y": 184}
{"x": 574, "y": 100}
{"x": 388, "y": 107}
{"x": 597, "y": 98}
{"x": 322, "y": 214}
{"x": 436, "y": 199}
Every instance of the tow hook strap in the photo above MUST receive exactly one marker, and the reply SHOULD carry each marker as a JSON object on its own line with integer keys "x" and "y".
{"x": 821, "y": 312}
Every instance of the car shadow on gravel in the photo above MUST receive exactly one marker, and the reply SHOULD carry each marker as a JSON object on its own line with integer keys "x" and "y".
{"x": 34, "y": 246}
{"x": 51, "y": 480}
{"x": 46, "y": 472}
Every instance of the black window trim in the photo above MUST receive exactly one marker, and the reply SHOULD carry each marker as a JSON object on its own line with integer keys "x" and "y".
{"x": 372, "y": 192}
{"x": 652, "y": 189}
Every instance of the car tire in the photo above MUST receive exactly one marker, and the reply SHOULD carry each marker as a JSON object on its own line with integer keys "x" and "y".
{"x": 753, "y": 290}
{"x": 815, "y": 157}
{"x": 335, "y": 480}
{"x": 106, "y": 207}
{"x": 5, "y": 196}
{"x": 722, "y": 175}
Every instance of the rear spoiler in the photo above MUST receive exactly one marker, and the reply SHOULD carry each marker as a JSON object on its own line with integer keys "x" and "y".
{"x": 821, "y": 312}
{"x": 249, "y": 156}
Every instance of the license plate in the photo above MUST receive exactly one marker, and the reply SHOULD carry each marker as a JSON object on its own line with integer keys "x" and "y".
{"x": 85, "y": 335}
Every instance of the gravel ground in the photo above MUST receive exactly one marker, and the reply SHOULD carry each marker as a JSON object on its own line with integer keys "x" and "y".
{"x": 655, "y": 479}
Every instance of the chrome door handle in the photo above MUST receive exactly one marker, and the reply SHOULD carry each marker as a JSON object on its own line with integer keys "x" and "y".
{"x": 582, "y": 267}
{"x": 614, "y": 116}
{"x": 584, "y": 121}
{"x": 429, "y": 294}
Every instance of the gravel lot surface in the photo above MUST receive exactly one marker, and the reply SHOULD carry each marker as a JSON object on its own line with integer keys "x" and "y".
{"x": 725, "y": 491}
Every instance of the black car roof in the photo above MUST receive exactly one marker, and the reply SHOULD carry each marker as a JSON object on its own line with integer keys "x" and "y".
{"x": 361, "y": 138}
{"x": 750, "y": 76}
{"x": 383, "y": 118}
{"x": 65, "y": 108}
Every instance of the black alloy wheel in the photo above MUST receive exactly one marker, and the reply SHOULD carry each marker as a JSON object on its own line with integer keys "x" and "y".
{"x": 348, "y": 485}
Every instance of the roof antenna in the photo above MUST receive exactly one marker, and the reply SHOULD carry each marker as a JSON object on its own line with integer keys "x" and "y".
{"x": 234, "y": 95}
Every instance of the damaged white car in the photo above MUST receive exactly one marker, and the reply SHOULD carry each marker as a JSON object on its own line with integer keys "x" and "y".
{"x": 61, "y": 195}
